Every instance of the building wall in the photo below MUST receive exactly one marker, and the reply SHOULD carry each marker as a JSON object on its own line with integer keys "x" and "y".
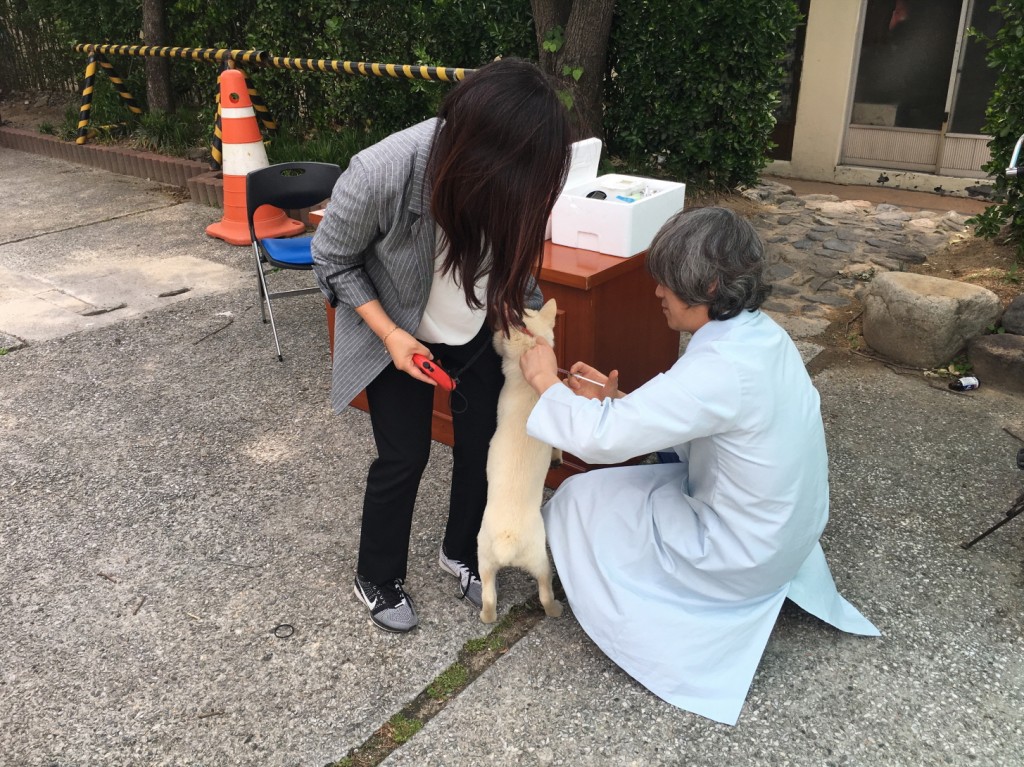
{"x": 834, "y": 30}
{"x": 826, "y": 86}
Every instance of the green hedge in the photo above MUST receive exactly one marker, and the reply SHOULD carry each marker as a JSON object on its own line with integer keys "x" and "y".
{"x": 448, "y": 33}
{"x": 691, "y": 86}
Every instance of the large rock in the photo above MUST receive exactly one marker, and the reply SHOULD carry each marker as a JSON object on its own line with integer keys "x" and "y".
{"x": 1013, "y": 317}
{"x": 998, "y": 360}
{"x": 924, "y": 321}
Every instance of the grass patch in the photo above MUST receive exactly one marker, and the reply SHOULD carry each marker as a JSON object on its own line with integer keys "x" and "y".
{"x": 400, "y": 729}
{"x": 475, "y": 657}
{"x": 449, "y": 682}
{"x": 483, "y": 644}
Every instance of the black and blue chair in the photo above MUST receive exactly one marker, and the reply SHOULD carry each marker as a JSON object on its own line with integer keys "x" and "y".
{"x": 290, "y": 186}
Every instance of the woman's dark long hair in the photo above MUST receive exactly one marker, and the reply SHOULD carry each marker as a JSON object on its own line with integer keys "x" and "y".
{"x": 499, "y": 159}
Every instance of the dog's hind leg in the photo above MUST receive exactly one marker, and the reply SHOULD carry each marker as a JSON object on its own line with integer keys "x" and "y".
{"x": 489, "y": 591}
{"x": 541, "y": 570}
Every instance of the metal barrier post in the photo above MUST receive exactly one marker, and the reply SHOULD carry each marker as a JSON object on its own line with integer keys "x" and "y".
{"x": 122, "y": 91}
{"x": 258, "y": 104}
{"x": 217, "y": 144}
{"x": 85, "y": 110}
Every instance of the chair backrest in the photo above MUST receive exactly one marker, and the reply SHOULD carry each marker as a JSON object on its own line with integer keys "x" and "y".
{"x": 288, "y": 185}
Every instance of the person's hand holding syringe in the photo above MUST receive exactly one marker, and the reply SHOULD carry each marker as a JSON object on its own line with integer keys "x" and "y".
{"x": 540, "y": 369}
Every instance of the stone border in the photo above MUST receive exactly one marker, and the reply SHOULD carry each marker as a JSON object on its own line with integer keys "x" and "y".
{"x": 115, "y": 159}
{"x": 204, "y": 186}
{"x": 207, "y": 188}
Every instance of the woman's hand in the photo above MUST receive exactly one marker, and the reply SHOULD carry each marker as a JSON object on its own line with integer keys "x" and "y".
{"x": 598, "y": 386}
{"x": 401, "y": 346}
{"x": 539, "y": 366}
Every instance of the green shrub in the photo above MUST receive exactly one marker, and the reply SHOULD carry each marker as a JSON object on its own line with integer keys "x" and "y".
{"x": 693, "y": 84}
{"x": 454, "y": 33}
{"x": 293, "y": 145}
{"x": 1004, "y": 122}
{"x": 173, "y": 133}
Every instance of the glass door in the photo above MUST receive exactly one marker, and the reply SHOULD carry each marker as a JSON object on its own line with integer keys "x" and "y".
{"x": 922, "y": 86}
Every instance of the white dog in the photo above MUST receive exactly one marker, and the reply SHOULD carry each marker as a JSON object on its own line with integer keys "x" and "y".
{"x": 512, "y": 532}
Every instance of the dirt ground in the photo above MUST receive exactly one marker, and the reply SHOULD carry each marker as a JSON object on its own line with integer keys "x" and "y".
{"x": 29, "y": 111}
{"x": 981, "y": 262}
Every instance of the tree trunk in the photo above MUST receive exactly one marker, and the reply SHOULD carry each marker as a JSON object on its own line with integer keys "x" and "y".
{"x": 579, "y": 59}
{"x": 158, "y": 69}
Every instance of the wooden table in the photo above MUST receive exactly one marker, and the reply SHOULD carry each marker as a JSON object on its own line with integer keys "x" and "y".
{"x": 608, "y": 317}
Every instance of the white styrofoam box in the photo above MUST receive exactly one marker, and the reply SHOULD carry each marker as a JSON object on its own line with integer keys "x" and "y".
{"x": 611, "y": 225}
{"x": 586, "y": 155}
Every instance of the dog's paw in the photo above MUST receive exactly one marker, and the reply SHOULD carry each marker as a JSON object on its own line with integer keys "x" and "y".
{"x": 489, "y": 616}
{"x": 554, "y": 610}
{"x": 556, "y": 457}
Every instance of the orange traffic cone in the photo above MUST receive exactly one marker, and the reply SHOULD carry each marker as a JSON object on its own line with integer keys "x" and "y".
{"x": 243, "y": 151}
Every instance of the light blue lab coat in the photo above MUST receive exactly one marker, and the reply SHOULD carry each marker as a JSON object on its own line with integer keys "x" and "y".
{"x": 678, "y": 571}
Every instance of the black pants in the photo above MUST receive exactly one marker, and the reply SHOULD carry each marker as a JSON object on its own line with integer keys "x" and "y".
{"x": 401, "y": 409}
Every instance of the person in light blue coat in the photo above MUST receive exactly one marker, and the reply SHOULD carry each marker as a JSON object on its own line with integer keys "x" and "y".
{"x": 678, "y": 571}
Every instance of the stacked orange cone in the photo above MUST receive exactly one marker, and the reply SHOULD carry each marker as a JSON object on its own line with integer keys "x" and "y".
{"x": 243, "y": 151}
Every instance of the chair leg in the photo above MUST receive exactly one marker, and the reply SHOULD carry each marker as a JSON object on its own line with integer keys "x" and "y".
{"x": 1015, "y": 510}
{"x": 269, "y": 310}
{"x": 260, "y": 284}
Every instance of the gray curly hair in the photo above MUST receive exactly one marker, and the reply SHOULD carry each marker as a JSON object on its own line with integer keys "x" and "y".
{"x": 711, "y": 256}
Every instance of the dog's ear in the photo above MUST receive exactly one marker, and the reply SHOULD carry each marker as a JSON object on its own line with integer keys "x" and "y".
{"x": 548, "y": 312}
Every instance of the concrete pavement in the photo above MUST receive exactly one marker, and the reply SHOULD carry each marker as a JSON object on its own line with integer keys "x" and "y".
{"x": 172, "y": 494}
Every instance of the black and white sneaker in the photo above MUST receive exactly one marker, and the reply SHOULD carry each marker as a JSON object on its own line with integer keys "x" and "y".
{"x": 390, "y": 607}
{"x": 469, "y": 581}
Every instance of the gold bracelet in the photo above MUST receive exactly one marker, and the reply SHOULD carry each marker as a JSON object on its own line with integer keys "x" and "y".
{"x": 384, "y": 338}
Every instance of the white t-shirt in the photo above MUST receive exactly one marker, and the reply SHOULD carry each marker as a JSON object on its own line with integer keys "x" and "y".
{"x": 448, "y": 319}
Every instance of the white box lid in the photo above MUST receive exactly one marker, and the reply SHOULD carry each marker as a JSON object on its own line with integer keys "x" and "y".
{"x": 586, "y": 156}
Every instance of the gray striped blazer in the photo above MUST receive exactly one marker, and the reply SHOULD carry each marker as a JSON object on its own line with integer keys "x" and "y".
{"x": 376, "y": 241}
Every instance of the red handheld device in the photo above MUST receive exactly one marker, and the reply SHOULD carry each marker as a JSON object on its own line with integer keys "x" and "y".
{"x": 435, "y": 371}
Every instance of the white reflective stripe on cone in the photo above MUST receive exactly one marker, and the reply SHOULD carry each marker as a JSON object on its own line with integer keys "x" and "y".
{"x": 233, "y": 113}
{"x": 239, "y": 159}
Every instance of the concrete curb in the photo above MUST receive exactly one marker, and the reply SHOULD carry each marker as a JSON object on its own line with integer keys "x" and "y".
{"x": 204, "y": 186}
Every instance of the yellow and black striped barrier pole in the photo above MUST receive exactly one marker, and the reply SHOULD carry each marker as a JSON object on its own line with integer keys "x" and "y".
{"x": 231, "y": 57}
{"x": 262, "y": 58}
{"x": 122, "y": 91}
{"x": 258, "y": 104}
{"x": 224, "y": 56}
{"x": 247, "y": 56}
{"x": 85, "y": 110}
{"x": 367, "y": 68}
{"x": 217, "y": 145}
